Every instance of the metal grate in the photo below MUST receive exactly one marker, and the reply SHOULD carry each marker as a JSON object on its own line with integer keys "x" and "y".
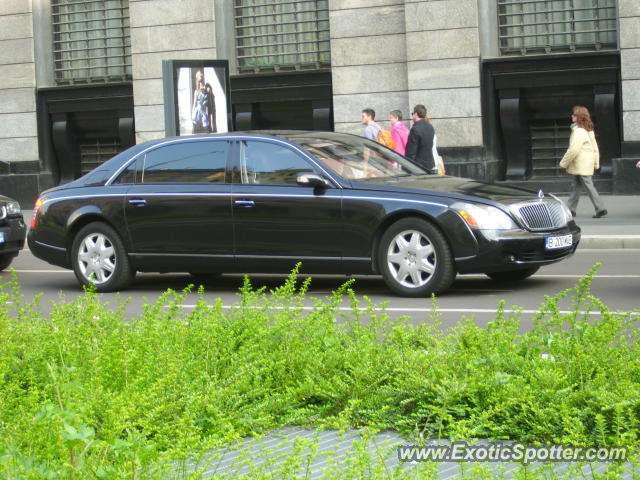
{"x": 542, "y": 215}
{"x": 534, "y": 26}
{"x": 549, "y": 141}
{"x": 94, "y": 153}
{"x": 282, "y": 35}
{"x": 91, "y": 41}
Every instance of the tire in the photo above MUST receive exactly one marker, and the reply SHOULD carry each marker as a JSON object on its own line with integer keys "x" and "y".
{"x": 100, "y": 259}
{"x": 5, "y": 261}
{"x": 415, "y": 258}
{"x": 513, "y": 275}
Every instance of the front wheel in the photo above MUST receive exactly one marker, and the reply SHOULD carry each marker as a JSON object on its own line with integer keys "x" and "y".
{"x": 415, "y": 258}
{"x": 513, "y": 275}
{"x": 100, "y": 259}
{"x": 5, "y": 261}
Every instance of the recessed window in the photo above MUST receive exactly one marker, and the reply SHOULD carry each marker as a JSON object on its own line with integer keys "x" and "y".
{"x": 270, "y": 164}
{"x": 91, "y": 41}
{"x": 546, "y": 26}
{"x": 186, "y": 162}
{"x": 282, "y": 35}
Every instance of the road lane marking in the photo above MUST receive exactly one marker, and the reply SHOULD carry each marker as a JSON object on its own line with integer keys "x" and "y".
{"x": 41, "y": 271}
{"x": 429, "y": 310}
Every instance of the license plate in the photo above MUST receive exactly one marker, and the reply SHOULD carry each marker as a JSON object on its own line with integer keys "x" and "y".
{"x": 563, "y": 241}
{"x": 1, "y": 237}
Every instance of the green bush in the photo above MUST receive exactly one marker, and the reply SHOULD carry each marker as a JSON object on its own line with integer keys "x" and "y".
{"x": 87, "y": 393}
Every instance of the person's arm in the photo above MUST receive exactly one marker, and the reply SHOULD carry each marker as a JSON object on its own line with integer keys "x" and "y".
{"x": 413, "y": 142}
{"x": 434, "y": 150}
{"x": 575, "y": 144}
{"x": 592, "y": 137}
{"x": 395, "y": 134}
{"x": 428, "y": 145}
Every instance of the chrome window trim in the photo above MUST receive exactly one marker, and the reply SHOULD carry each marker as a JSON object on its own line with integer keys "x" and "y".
{"x": 243, "y": 194}
{"x": 38, "y": 242}
{"x": 196, "y": 138}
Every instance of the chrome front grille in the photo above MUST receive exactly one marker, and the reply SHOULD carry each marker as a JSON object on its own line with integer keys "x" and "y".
{"x": 541, "y": 215}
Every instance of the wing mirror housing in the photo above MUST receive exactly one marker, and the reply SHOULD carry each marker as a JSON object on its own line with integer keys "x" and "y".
{"x": 312, "y": 180}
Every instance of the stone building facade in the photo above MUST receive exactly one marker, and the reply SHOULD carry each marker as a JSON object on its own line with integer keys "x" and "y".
{"x": 498, "y": 78}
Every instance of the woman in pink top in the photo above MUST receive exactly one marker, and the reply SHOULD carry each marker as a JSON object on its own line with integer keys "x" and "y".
{"x": 399, "y": 131}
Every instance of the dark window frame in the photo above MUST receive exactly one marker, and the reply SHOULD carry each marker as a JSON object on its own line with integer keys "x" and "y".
{"x": 139, "y": 164}
{"x": 583, "y": 28}
{"x": 281, "y": 35}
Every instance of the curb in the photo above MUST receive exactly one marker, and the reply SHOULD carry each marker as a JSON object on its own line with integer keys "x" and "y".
{"x": 609, "y": 241}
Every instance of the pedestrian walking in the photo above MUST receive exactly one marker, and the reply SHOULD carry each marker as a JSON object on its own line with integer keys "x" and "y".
{"x": 582, "y": 159}
{"x": 371, "y": 128}
{"x": 399, "y": 131}
{"x": 420, "y": 141}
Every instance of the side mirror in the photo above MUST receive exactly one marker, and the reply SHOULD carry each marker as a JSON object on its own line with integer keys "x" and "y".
{"x": 311, "y": 180}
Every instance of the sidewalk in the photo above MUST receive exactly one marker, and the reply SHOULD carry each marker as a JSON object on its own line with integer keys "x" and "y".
{"x": 619, "y": 229}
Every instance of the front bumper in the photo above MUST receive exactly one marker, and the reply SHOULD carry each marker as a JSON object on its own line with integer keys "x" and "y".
{"x": 13, "y": 231}
{"x": 502, "y": 251}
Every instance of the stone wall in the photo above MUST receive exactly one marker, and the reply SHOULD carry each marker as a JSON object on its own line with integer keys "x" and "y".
{"x": 164, "y": 30}
{"x": 630, "y": 58}
{"x": 443, "y": 55}
{"x": 19, "y": 158}
{"x": 393, "y": 54}
{"x": 368, "y": 60}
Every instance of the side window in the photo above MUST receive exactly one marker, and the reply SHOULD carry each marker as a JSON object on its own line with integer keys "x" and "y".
{"x": 186, "y": 162}
{"x": 129, "y": 174}
{"x": 270, "y": 164}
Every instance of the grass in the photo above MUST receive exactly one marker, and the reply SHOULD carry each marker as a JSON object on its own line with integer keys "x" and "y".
{"x": 87, "y": 393}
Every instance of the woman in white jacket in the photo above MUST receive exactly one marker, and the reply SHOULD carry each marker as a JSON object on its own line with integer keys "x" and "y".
{"x": 582, "y": 159}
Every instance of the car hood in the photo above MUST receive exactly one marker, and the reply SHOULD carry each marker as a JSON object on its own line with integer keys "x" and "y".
{"x": 449, "y": 187}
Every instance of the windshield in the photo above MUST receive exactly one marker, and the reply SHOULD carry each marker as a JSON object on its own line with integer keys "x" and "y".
{"x": 357, "y": 158}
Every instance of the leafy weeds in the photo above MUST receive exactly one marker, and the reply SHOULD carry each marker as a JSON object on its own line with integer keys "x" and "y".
{"x": 87, "y": 393}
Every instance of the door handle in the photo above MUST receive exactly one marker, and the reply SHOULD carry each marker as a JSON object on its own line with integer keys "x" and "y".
{"x": 139, "y": 202}
{"x": 244, "y": 203}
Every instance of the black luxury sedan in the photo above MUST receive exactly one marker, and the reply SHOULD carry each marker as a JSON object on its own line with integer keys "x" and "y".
{"x": 12, "y": 231}
{"x": 264, "y": 201}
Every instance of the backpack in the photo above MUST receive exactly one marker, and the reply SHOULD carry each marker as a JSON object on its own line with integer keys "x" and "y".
{"x": 384, "y": 138}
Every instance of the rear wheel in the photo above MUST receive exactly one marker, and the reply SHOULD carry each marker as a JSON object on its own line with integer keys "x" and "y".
{"x": 513, "y": 275}
{"x": 99, "y": 258}
{"x": 5, "y": 261}
{"x": 415, "y": 258}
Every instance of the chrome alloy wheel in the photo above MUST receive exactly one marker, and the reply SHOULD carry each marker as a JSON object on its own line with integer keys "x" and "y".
{"x": 97, "y": 258}
{"x": 411, "y": 258}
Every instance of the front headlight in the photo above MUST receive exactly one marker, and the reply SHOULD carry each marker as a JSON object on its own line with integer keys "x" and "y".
{"x": 13, "y": 208}
{"x": 484, "y": 217}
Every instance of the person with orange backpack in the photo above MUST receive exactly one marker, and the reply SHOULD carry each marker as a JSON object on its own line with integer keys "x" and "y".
{"x": 371, "y": 128}
{"x": 375, "y": 132}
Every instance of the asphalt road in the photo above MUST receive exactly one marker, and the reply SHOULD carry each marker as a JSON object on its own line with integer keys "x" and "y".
{"x": 617, "y": 283}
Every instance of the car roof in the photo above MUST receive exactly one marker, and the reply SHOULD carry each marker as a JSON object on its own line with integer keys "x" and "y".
{"x": 283, "y": 134}
{"x": 112, "y": 165}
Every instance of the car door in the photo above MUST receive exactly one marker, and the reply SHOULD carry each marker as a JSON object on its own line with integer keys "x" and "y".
{"x": 178, "y": 211}
{"x": 277, "y": 222}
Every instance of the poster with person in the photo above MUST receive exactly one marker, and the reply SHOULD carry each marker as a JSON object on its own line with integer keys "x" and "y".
{"x": 199, "y": 92}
